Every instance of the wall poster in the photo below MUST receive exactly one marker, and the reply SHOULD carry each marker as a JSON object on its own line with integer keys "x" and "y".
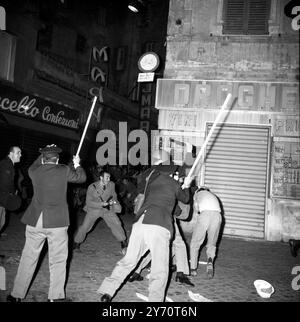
{"x": 286, "y": 168}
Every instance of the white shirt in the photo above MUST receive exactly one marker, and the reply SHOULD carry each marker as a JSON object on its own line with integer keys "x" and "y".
{"x": 205, "y": 200}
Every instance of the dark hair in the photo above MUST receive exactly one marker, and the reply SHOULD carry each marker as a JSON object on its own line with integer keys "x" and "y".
{"x": 50, "y": 157}
{"x": 203, "y": 189}
{"x": 12, "y": 148}
{"x": 101, "y": 173}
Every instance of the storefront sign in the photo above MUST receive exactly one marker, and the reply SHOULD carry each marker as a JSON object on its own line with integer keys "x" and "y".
{"x": 32, "y": 107}
{"x": 286, "y": 169}
{"x": 145, "y": 77}
{"x": 97, "y": 74}
{"x": 251, "y": 96}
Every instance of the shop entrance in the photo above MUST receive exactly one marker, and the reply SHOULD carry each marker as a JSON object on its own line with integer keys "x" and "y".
{"x": 236, "y": 169}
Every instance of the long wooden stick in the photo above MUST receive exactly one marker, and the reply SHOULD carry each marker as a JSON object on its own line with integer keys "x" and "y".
{"x": 209, "y": 135}
{"x": 86, "y": 125}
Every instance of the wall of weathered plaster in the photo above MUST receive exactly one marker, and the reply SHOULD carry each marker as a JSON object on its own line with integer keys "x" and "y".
{"x": 283, "y": 222}
{"x": 197, "y": 50}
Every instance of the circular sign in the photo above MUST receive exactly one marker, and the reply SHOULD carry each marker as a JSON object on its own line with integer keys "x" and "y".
{"x": 148, "y": 62}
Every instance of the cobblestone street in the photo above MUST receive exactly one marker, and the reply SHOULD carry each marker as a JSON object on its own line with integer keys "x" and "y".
{"x": 239, "y": 263}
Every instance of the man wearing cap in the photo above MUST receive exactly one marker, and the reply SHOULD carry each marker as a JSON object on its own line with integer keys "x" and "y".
{"x": 206, "y": 219}
{"x": 152, "y": 230}
{"x": 47, "y": 217}
{"x": 8, "y": 198}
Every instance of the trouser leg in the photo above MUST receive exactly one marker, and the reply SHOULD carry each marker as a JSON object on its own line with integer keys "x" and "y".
{"x": 135, "y": 250}
{"x": 213, "y": 233}
{"x": 158, "y": 240}
{"x": 2, "y": 217}
{"x": 87, "y": 224}
{"x": 144, "y": 262}
{"x": 35, "y": 239}
{"x": 198, "y": 237}
{"x": 180, "y": 252}
{"x": 115, "y": 225}
{"x": 58, "y": 254}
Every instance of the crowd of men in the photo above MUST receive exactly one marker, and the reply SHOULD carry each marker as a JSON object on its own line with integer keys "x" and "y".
{"x": 166, "y": 194}
{"x": 166, "y": 205}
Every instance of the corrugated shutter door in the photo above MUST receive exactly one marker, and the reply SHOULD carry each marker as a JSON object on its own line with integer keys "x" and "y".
{"x": 236, "y": 170}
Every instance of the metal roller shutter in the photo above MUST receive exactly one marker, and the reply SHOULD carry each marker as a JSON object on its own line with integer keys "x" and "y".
{"x": 236, "y": 169}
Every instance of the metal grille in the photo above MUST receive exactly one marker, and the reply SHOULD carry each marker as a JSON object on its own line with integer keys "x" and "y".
{"x": 236, "y": 169}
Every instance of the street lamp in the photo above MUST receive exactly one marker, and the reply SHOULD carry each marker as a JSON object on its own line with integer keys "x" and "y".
{"x": 136, "y": 5}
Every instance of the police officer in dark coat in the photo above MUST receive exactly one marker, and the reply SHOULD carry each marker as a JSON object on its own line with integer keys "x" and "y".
{"x": 152, "y": 230}
{"x": 47, "y": 217}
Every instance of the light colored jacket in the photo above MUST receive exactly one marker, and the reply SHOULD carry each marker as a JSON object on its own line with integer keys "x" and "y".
{"x": 95, "y": 196}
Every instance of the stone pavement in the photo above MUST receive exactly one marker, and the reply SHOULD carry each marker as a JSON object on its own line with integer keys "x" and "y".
{"x": 239, "y": 263}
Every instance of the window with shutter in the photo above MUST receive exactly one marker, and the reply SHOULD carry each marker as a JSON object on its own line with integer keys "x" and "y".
{"x": 246, "y": 17}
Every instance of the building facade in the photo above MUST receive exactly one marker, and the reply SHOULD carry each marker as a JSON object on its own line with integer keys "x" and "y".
{"x": 58, "y": 55}
{"x": 252, "y": 161}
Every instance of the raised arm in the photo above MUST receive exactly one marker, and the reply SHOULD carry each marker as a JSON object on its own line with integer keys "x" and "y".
{"x": 78, "y": 175}
{"x": 36, "y": 164}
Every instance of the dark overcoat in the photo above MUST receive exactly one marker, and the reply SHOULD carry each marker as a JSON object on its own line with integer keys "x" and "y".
{"x": 50, "y": 183}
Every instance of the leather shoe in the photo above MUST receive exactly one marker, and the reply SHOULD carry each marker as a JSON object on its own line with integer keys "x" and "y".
{"x": 12, "y": 299}
{"x": 105, "y": 298}
{"x": 76, "y": 246}
{"x": 293, "y": 247}
{"x": 135, "y": 277}
{"x": 173, "y": 268}
{"x": 182, "y": 278}
{"x": 124, "y": 245}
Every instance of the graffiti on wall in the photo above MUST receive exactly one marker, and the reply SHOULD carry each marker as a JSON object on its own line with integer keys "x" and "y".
{"x": 286, "y": 126}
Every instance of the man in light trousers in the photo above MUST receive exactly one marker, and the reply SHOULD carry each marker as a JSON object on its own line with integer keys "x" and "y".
{"x": 206, "y": 219}
{"x": 152, "y": 231}
{"x": 47, "y": 218}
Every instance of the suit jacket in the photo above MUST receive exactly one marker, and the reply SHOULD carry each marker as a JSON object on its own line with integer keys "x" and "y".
{"x": 50, "y": 183}
{"x": 96, "y": 195}
{"x": 7, "y": 185}
{"x": 161, "y": 196}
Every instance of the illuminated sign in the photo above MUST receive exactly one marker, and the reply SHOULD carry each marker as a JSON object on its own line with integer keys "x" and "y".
{"x": 26, "y": 105}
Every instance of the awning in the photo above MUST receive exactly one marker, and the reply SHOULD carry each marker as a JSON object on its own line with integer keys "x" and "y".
{"x": 41, "y": 127}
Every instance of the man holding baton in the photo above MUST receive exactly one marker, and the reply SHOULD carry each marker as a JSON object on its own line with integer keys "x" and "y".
{"x": 47, "y": 217}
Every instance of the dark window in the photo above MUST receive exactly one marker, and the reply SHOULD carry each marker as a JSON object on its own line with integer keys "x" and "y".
{"x": 246, "y": 17}
{"x": 81, "y": 44}
{"x": 44, "y": 38}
